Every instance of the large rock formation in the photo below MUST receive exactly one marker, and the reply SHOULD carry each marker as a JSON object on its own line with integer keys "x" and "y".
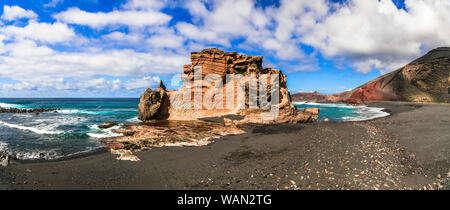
{"x": 219, "y": 64}
{"x": 426, "y": 79}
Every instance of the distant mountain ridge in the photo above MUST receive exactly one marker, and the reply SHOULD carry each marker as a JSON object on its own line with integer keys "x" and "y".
{"x": 426, "y": 79}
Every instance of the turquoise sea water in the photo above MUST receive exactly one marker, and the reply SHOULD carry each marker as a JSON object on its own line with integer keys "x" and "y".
{"x": 343, "y": 112}
{"x": 74, "y": 129}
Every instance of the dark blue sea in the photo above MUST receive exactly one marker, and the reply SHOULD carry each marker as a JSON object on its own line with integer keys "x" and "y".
{"x": 74, "y": 128}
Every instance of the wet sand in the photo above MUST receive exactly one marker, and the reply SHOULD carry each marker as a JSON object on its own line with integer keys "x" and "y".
{"x": 408, "y": 150}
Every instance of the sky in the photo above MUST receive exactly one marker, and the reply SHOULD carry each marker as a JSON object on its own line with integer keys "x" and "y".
{"x": 118, "y": 48}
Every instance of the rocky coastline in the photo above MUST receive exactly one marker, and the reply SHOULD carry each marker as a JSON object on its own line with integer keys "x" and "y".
{"x": 424, "y": 80}
{"x": 19, "y": 111}
{"x": 388, "y": 153}
{"x": 168, "y": 119}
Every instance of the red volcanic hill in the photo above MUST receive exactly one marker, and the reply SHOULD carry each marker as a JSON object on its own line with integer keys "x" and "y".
{"x": 426, "y": 79}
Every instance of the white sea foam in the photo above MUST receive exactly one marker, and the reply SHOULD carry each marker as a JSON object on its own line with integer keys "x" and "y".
{"x": 77, "y": 111}
{"x": 322, "y": 104}
{"x": 134, "y": 120}
{"x": 3, "y": 146}
{"x": 103, "y": 133}
{"x": 87, "y": 112}
{"x": 55, "y": 121}
{"x": 47, "y": 154}
{"x": 37, "y": 129}
{"x": 367, "y": 113}
{"x": 37, "y": 154}
{"x": 94, "y": 127}
{"x": 7, "y": 105}
{"x": 363, "y": 112}
{"x": 68, "y": 111}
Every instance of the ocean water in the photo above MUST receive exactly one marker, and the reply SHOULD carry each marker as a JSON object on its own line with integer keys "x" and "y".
{"x": 343, "y": 112}
{"x": 72, "y": 130}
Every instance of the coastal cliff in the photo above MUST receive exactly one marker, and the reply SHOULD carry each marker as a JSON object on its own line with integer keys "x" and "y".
{"x": 162, "y": 104}
{"x": 426, "y": 79}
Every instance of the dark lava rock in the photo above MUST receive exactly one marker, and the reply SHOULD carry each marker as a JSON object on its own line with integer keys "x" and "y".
{"x": 108, "y": 125}
{"x": 16, "y": 110}
{"x": 154, "y": 104}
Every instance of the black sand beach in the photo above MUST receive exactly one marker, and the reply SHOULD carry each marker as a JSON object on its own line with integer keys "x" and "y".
{"x": 408, "y": 150}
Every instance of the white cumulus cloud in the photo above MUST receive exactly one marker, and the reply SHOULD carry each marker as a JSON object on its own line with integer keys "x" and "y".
{"x": 45, "y": 32}
{"x": 377, "y": 34}
{"x": 11, "y": 13}
{"x": 116, "y": 17}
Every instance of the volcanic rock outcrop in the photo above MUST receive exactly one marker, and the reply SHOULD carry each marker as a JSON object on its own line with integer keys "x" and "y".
{"x": 214, "y": 63}
{"x": 108, "y": 125}
{"x": 154, "y": 104}
{"x": 17, "y": 110}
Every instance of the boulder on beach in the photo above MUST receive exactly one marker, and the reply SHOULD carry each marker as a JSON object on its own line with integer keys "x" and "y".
{"x": 4, "y": 159}
{"x": 154, "y": 104}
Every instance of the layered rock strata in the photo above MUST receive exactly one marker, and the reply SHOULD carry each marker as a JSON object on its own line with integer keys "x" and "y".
{"x": 224, "y": 81}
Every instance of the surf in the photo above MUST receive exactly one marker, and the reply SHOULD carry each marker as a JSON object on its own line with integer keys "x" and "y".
{"x": 343, "y": 112}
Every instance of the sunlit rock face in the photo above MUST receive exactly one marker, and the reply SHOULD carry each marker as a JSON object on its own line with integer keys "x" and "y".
{"x": 228, "y": 100}
{"x": 154, "y": 105}
{"x": 218, "y": 83}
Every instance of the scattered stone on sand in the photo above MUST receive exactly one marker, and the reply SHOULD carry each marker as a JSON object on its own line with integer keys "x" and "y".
{"x": 108, "y": 125}
{"x": 4, "y": 159}
{"x": 125, "y": 155}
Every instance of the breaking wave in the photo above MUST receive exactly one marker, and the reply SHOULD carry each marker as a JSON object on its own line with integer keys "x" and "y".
{"x": 103, "y": 133}
{"x": 37, "y": 129}
{"x": 7, "y": 105}
{"x": 3, "y": 146}
{"x": 367, "y": 113}
{"x": 344, "y": 112}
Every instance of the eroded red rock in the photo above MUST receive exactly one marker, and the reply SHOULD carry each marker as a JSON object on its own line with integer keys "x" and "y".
{"x": 219, "y": 63}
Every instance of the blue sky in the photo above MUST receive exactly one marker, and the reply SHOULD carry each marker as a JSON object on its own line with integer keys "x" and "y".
{"x": 108, "y": 48}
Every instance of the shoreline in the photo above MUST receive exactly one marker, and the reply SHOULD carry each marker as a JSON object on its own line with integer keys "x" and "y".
{"x": 246, "y": 161}
{"x": 104, "y": 149}
{"x": 79, "y": 155}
